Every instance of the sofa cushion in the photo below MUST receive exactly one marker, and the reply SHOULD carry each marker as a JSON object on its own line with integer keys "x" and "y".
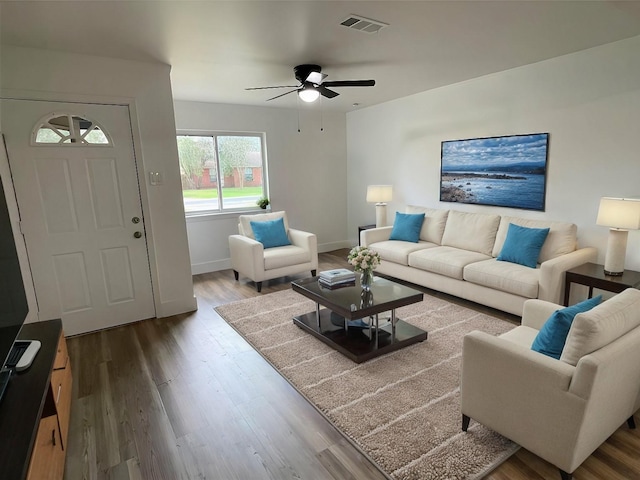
{"x": 562, "y": 238}
{"x": 433, "y": 225}
{"x": 602, "y": 325}
{"x": 270, "y": 233}
{"x": 244, "y": 222}
{"x": 471, "y": 231}
{"x": 448, "y": 261}
{"x": 279, "y": 257}
{"x": 406, "y": 227}
{"x": 523, "y": 245}
{"x": 553, "y": 334}
{"x": 504, "y": 276}
{"x": 397, "y": 251}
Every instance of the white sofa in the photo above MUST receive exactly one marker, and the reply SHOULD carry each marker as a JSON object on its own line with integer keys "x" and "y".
{"x": 561, "y": 410}
{"x": 457, "y": 254}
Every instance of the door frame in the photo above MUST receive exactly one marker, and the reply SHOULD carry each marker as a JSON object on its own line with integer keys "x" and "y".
{"x": 9, "y": 94}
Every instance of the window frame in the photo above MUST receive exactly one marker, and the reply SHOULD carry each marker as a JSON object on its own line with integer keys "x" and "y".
{"x": 222, "y": 211}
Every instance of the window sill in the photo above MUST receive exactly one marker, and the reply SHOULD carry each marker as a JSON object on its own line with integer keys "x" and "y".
{"x": 208, "y": 216}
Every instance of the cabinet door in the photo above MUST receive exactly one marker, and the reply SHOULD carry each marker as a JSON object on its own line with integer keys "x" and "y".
{"x": 47, "y": 460}
{"x": 61, "y": 388}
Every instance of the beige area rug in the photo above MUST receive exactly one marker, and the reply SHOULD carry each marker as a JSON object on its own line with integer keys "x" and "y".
{"x": 401, "y": 409}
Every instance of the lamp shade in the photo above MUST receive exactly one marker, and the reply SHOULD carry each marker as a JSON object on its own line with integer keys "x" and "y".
{"x": 621, "y": 213}
{"x": 379, "y": 193}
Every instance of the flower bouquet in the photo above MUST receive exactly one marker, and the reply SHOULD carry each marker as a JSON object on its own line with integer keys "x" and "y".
{"x": 364, "y": 260}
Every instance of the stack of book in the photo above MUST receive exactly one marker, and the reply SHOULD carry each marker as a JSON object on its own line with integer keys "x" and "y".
{"x": 339, "y": 277}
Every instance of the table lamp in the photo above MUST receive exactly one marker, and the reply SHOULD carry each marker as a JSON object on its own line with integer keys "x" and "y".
{"x": 622, "y": 215}
{"x": 380, "y": 194}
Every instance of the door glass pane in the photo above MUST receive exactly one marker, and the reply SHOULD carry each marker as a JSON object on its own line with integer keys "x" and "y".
{"x": 198, "y": 171}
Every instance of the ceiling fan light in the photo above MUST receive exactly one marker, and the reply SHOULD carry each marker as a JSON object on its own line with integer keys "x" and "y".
{"x": 308, "y": 94}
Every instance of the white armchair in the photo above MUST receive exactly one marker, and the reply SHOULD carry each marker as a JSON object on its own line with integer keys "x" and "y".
{"x": 251, "y": 259}
{"x": 561, "y": 410}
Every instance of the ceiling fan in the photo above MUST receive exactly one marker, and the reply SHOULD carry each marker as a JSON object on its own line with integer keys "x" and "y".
{"x": 312, "y": 84}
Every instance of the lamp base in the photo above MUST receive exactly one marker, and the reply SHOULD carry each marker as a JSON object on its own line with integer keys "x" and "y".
{"x": 616, "y": 251}
{"x": 381, "y": 215}
{"x": 613, "y": 274}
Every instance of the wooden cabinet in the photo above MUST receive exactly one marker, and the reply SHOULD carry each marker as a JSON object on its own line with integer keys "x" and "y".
{"x": 34, "y": 413}
{"x": 49, "y": 451}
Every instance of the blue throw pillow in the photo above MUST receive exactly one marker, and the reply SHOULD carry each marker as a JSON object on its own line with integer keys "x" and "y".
{"x": 270, "y": 233}
{"x": 407, "y": 227}
{"x": 553, "y": 334}
{"x": 523, "y": 245}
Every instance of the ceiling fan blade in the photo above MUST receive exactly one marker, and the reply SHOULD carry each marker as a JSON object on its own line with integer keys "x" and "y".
{"x": 282, "y": 95}
{"x": 277, "y": 86}
{"x": 316, "y": 78}
{"x": 350, "y": 83}
{"x": 325, "y": 92}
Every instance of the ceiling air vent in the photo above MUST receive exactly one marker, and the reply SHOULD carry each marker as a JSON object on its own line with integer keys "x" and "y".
{"x": 363, "y": 24}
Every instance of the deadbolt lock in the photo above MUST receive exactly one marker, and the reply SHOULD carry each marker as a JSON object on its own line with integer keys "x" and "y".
{"x": 135, "y": 219}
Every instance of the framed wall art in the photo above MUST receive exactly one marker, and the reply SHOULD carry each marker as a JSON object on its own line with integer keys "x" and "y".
{"x": 508, "y": 171}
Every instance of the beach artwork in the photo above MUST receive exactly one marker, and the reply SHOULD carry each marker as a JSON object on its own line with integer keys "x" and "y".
{"x": 508, "y": 171}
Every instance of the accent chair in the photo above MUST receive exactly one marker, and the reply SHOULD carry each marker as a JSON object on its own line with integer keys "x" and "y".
{"x": 560, "y": 409}
{"x": 295, "y": 250}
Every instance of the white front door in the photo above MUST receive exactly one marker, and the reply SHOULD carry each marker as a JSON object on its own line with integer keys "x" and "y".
{"x": 80, "y": 211}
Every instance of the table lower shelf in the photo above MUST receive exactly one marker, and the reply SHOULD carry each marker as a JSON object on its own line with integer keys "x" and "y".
{"x": 355, "y": 343}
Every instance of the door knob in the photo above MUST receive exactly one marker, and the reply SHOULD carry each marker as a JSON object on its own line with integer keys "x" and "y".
{"x": 135, "y": 220}
{"x": 137, "y": 234}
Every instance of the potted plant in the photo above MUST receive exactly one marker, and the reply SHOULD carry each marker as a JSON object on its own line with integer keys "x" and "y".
{"x": 263, "y": 203}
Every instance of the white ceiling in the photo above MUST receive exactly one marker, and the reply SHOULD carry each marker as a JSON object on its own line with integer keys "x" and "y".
{"x": 218, "y": 48}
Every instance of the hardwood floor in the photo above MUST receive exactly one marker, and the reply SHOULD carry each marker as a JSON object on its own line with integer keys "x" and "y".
{"x": 186, "y": 397}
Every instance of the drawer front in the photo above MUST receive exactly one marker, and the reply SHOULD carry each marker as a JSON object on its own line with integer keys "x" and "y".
{"x": 47, "y": 459}
{"x": 61, "y": 382}
{"x": 62, "y": 357}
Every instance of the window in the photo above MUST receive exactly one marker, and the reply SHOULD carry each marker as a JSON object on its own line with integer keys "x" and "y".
{"x": 221, "y": 172}
{"x": 67, "y": 129}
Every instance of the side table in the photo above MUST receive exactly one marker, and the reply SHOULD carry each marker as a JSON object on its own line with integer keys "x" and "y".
{"x": 364, "y": 227}
{"x": 592, "y": 275}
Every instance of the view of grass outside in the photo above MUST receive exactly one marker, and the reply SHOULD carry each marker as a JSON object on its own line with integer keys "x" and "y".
{"x": 226, "y": 192}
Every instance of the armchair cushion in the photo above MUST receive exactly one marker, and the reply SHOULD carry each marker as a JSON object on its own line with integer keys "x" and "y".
{"x": 271, "y": 233}
{"x": 523, "y": 245}
{"x": 599, "y": 327}
{"x": 244, "y": 222}
{"x": 552, "y": 336}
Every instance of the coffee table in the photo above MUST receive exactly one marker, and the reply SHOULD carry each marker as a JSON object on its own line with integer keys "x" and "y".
{"x": 347, "y": 306}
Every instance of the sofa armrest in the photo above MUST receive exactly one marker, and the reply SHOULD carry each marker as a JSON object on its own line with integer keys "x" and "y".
{"x": 552, "y": 272}
{"x": 373, "y": 235}
{"x": 247, "y": 256}
{"x": 536, "y": 312}
{"x": 307, "y": 241}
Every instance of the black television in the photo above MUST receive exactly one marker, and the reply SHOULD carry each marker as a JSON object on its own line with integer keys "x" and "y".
{"x": 14, "y": 307}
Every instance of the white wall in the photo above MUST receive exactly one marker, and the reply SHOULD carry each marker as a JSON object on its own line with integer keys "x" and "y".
{"x": 307, "y": 173}
{"x": 588, "y": 101}
{"x": 146, "y": 88}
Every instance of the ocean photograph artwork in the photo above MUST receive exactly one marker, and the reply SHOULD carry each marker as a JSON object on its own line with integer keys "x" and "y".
{"x": 507, "y": 171}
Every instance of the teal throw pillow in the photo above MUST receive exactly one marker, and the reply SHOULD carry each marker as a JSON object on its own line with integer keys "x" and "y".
{"x": 270, "y": 233}
{"x": 523, "y": 245}
{"x": 407, "y": 227}
{"x": 553, "y": 334}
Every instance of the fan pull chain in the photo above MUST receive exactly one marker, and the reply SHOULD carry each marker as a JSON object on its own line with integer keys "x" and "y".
{"x": 321, "y": 114}
{"x": 298, "y": 105}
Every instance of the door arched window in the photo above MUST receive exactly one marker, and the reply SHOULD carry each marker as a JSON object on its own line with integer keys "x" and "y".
{"x": 68, "y": 129}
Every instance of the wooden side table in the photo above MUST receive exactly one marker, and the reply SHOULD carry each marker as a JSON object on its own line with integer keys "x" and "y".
{"x": 592, "y": 275}
{"x": 364, "y": 227}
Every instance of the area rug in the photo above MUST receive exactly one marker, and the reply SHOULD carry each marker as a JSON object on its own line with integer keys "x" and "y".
{"x": 401, "y": 409}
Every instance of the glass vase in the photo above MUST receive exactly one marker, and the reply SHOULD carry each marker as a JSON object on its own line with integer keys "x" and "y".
{"x": 366, "y": 280}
